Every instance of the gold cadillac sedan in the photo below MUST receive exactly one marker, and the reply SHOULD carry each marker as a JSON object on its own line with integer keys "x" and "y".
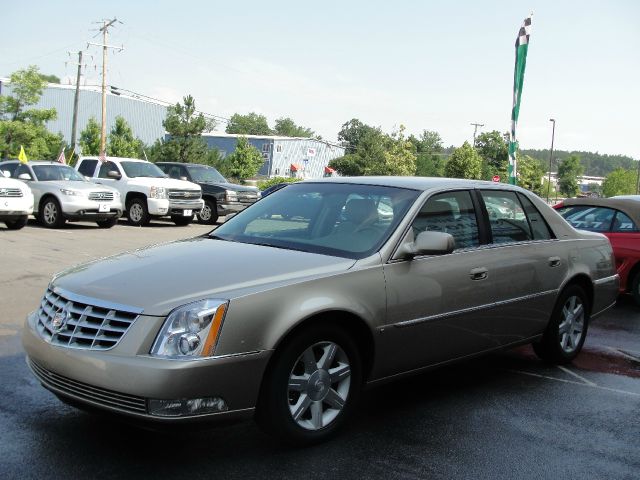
{"x": 290, "y": 308}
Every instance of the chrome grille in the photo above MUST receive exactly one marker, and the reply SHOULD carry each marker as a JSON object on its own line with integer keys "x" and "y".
{"x": 247, "y": 197}
{"x": 71, "y": 324}
{"x": 10, "y": 192}
{"x": 184, "y": 194}
{"x": 84, "y": 391}
{"x": 101, "y": 196}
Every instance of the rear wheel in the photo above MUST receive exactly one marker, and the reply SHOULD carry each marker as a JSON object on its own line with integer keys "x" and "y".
{"x": 209, "y": 213}
{"x": 567, "y": 329}
{"x": 181, "y": 221}
{"x": 108, "y": 223}
{"x": 311, "y": 386}
{"x": 16, "y": 224}
{"x": 50, "y": 213}
{"x": 137, "y": 212}
{"x": 635, "y": 287}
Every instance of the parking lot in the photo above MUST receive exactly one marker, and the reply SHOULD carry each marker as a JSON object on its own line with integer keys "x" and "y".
{"x": 507, "y": 415}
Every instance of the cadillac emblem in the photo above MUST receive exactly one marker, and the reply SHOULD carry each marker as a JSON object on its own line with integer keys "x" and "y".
{"x": 59, "y": 320}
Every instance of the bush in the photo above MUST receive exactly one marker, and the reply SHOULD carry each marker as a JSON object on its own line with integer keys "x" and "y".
{"x": 275, "y": 180}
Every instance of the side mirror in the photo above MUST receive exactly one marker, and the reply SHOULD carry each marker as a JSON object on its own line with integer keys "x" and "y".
{"x": 5, "y": 173}
{"x": 429, "y": 243}
{"x": 114, "y": 174}
{"x": 24, "y": 176}
{"x": 184, "y": 178}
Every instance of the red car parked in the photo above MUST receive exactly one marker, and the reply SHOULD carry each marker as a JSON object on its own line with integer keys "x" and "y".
{"x": 619, "y": 220}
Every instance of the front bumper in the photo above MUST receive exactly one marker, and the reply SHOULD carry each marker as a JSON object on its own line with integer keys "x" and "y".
{"x": 124, "y": 383}
{"x": 232, "y": 207}
{"x": 15, "y": 207}
{"x": 178, "y": 207}
{"x": 80, "y": 208}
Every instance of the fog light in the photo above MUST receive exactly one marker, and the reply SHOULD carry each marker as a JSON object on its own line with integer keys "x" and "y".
{"x": 186, "y": 407}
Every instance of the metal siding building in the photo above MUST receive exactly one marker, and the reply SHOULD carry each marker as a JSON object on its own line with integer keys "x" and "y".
{"x": 283, "y": 156}
{"x": 144, "y": 118}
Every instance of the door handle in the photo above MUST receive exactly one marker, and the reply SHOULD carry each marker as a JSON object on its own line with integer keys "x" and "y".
{"x": 554, "y": 261}
{"x": 479, "y": 273}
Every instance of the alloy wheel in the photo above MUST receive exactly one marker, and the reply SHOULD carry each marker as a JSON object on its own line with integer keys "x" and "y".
{"x": 205, "y": 213}
{"x": 572, "y": 324}
{"x": 319, "y": 385}
{"x": 135, "y": 212}
{"x": 50, "y": 213}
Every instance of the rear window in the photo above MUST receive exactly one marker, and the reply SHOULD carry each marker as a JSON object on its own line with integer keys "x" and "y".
{"x": 597, "y": 219}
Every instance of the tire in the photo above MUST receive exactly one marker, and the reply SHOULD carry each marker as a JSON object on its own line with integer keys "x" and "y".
{"x": 303, "y": 401}
{"x": 137, "y": 212}
{"x": 181, "y": 221}
{"x": 50, "y": 213}
{"x": 567, "y": 328}
{"x": 209, "y": 213}
{"x": 16, "y": 224}
{"x": 635, "y": 288}
{"x": 108, "y": 223}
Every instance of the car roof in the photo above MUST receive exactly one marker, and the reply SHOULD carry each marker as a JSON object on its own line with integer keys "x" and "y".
{"x": 116, "y": 159}
{"x": 185, "y": 164}
{"x": 37, "y": 162}
{"x": 628, "y": 206}
{"x": 417, "y": 183}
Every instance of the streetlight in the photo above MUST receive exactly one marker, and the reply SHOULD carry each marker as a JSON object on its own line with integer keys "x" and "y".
{"x": 553, "y": 133}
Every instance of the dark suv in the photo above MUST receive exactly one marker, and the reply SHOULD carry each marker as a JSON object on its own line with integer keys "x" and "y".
{"x": 220, "y": 197}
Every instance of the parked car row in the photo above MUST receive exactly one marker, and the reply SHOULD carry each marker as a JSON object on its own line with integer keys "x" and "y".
{"x": 102, "y": 191}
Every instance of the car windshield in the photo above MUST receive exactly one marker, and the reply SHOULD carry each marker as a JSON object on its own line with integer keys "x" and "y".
{"x": 206, "y": 174}
{"x": 339, "y": 219}
{"x": 48, "y": 173}
{"x": 142, "y": 169}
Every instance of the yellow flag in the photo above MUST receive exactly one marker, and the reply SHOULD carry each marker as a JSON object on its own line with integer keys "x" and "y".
{"x": 22, "y": 156}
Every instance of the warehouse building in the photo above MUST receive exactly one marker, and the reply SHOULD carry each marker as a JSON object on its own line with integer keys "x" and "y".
{"x": 283, "y": 156}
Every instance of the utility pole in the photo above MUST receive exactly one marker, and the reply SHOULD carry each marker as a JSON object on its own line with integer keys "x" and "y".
{"x": 553, "y": 134}
{"x": 76, "y": 98}
{"x": 105, "y": 32}
{"x": 475, "y": 130}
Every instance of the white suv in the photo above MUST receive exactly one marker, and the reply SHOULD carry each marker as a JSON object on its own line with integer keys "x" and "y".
{"x": 16, "y": 202}
{"x": 145, "y": 189}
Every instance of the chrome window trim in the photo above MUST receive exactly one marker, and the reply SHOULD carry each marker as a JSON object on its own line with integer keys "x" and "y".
{"x": 612, "y": 278}
{"x": 440, "y": 316}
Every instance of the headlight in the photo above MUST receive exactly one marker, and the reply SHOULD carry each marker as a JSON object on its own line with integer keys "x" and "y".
{"x": 158, "y": 192}
{"x": 231, "y": 196}
{"x": 191, "y": 331}
{"x": 75, "y": 193}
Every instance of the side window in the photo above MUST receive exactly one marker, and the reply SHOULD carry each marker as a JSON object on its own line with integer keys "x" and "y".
{"x": 107, "y": 167}
{"x": 450, "y": 212}
{"x": 22, "y": 169}
{"x": 623, "y": 223}
{"x": 594, "y": 219}
{"x": 88, "y": 167}
{"x": 538, "y": 225}
{"x": 506, "y": 217}
{"x": 174, "y": 172}
{"x": 11, "y": 168}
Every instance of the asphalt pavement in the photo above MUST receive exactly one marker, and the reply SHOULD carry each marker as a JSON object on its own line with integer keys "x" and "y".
{"x": 504, "y": 416}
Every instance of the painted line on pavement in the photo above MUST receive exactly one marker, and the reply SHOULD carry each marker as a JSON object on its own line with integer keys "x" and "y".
{"x": 624, "y": 354}
{"x": 615, "y": 390}
{"x": 585, "y": 381}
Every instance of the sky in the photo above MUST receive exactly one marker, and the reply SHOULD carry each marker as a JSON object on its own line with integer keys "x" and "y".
{"x": 426, "y": 65}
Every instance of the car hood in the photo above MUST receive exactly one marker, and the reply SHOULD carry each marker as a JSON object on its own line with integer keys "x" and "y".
{"x": 232, "y": 186}
{"x": 163, "y": 182}
{"x": 159, "y": 278}
{"x": 74, "y": 185}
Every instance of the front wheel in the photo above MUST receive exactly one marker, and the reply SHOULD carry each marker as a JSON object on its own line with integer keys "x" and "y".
{"x": 567, "y": 328}
{"x": 16, "y": 224}
{"x": 311, "y": 387}
{"x": 209, "y": 213}
{"x": 137, "y": 212}
{"x": 50, "y": 213}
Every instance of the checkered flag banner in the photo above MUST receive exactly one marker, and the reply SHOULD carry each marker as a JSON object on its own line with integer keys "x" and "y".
{"x": 522, "y": 46}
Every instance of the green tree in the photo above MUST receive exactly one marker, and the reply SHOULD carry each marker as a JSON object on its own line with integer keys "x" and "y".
{"x": 250, "y": 124}
{"x": 352, "y": 133}
{"x": 50, "y": 78}
{"x": 244, "y": 162}
{"x": 24, "y": 126}
{"x": 430, "y": 161}
{"x": 90, "y": 138}
{"x": 378, "y": 154}
{"x": 530, "y": 173}
{"x": 464, "y": 163}
{"x": 494, "y": 151}
{"x": 122, "y": 143}
{"x": 185, "y": 127}
{"x": 568, "y": 172}
{"x": 620, "y": 182}
{"x": 287, "y": 128}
